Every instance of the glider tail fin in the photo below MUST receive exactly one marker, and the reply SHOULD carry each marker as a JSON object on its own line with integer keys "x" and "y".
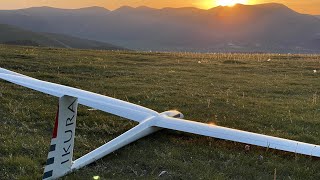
{"x": 60, "y": 155}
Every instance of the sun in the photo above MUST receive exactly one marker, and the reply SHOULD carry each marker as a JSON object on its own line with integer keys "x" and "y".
{"x": 230, "y": 2}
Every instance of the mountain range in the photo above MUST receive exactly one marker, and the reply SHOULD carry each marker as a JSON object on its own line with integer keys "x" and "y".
{"x": 16, "y": 36}
{"x": 242, "y": 28}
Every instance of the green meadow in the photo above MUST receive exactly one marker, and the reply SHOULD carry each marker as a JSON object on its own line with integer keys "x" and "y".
{"x": 273, "y": 94}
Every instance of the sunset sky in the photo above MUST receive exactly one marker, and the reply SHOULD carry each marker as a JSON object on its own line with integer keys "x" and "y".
{"x": 302, "y": 6}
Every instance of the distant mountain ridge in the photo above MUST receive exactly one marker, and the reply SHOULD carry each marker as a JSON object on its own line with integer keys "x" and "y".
{"x": 15, "y": 36}
{"x": 242, "y": 28}
{"x": 95, "y": 10}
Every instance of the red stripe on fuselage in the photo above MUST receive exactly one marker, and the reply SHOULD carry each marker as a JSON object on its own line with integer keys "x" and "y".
{"x": 55, "y": 130}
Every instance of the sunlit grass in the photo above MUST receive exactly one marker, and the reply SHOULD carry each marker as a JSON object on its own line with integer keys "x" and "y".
{"x": 274, "y": 94}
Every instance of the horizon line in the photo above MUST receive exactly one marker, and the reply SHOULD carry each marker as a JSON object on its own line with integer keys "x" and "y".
{"x": 110, "y": 9}
{"x": 135, "y": 7}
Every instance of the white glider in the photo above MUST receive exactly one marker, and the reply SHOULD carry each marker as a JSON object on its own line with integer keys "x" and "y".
{"x": 60, "y": 162}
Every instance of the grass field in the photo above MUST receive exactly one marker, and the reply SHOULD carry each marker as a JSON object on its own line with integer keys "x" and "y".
{"x": 264, "y": 93}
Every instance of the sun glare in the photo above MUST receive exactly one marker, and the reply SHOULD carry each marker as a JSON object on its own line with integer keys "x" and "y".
{"x": 230, "y": 2}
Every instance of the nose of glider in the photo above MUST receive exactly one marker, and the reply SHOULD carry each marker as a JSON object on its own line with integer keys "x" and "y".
{"x": 174, "y": 114}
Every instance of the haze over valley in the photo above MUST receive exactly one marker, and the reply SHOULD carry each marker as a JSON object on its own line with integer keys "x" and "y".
{"x": 241, "y": 28}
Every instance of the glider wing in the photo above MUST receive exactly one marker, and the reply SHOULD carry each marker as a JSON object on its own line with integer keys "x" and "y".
{"x": 238, "y": 136}
{"x": 5, "y": 71}
{"x": 104, "y": 103}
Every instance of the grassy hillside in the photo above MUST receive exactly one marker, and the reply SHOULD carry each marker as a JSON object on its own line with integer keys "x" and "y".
{"x": 264, "y": 93}
{"x": 16, "y": 36}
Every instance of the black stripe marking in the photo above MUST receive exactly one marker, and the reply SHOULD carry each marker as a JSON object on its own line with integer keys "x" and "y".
{"x": 50, "y": 161}
{"x": 47, "y": 174}
{"x": 52, "y": 147}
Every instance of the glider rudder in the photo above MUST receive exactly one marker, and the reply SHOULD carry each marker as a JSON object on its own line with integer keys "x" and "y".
{"x": 60, "y": 154}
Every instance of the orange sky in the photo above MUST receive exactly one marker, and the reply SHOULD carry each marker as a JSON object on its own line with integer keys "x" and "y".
{"x": 302, "y": 6}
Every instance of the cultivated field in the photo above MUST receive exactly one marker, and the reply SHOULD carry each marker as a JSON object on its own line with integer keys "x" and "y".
{"x": 263, "y": 93}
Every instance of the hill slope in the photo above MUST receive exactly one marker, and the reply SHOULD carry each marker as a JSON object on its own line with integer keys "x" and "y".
{"x": 16, "y": 36}
{"x": 278, "y": 97}
{"x": 242, "y": 28}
